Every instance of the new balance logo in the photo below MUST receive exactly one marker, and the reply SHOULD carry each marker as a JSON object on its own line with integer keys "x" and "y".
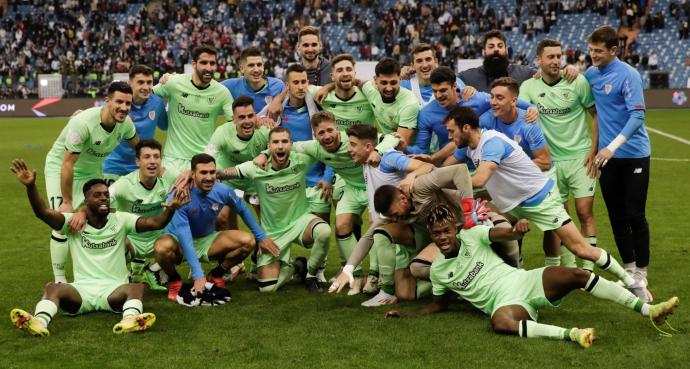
{"x": 637, "y": 171}
{"x": 555, "y": 220}
{"x": 542, "y": 94}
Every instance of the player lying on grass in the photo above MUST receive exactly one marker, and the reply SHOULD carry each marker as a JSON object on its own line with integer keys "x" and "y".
{"x": 467, "y": 266}
{"x": 192, "y": 235}
{"x": 101, "y": 279}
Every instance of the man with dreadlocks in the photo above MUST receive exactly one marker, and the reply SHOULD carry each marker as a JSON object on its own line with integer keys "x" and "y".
{"x": 467, "y": 266}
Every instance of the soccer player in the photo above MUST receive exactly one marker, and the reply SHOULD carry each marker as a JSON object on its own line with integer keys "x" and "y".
{"x": 395, "y": 109}
{"x": 517, "y": 186}
{"x": 285, "y": 213}
{"x": 446, "y": 97}
{"x": 98, "y": 258}
{"x": 253, "y": 83}
{"x": 234, "y": 143}
{"x": 143, "y": 192}
{"x": 562, "y": 107}
{"x": 623, "y": 151}
{"x": 309, "y": 49}
{"x": 510, "y": 296}
{"x": 194, "y": 102}
{"x": 77, "y": 156}
{"x": 147, "y": 113}
{"x": 424, "y": 63}
{"x": 191, "y": 233}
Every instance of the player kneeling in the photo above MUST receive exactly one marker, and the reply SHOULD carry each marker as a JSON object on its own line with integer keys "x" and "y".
{"x": 98, "y": 258}
{"x": 512, "y": 296}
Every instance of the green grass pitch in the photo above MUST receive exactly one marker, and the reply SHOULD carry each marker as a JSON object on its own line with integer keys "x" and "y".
{"x": 293, "y": 329}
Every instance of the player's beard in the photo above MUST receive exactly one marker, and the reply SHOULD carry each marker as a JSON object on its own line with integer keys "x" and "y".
{"x": 496, "y": 65}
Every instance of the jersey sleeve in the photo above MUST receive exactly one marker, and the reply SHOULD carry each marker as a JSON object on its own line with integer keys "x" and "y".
{"x": 115, "y": 190}
{"x": 216, "y": 147}
{"x": 65, "y": 225}
{"x": 370, "y": 90}
{"x": 535, "y": 136}
{"x": 409, "y": 113}
{"x": 423, "y": 138}
{"x": 128, "y": 220}
{"x": 524, "y": 94}
{"x": 493, "y": 150}
{"x": 227, "y": 104}
{"x": 480, "y": 234}
{"x": 584, "y": 92}
{"x": 394, "y": 161}
{"x": 130, "y": 129}
{"x": 461, "y": 155}
{"x": 77, "y": 135}
{"x": 309, "y": 148}
{"x": 162, "y": 115}
{"x": 482, "y": 102}
{"x": 164, "y": 90}
{"x": 523, "y": 104}
{"x": 240, "y": 207}
{"x": 437, "y": 288}
{"x": 632, "y": 91}
{"x": 246, "y": 169}
{"x": 388, "y": 142}
{"x": 179, "y": 226}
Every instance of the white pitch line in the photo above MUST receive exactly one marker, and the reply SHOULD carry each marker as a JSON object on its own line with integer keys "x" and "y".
{"x": 673, "y": 137}
{"x": 670, "y": 159}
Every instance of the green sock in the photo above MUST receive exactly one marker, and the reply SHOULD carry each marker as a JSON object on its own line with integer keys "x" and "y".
{"x": 58, "y": 255}
{"x": 385, "y": 250}
{"x": 567, "y": 258}
{"x": 423, "y": 288}
{"x": 272, "y": 285}
{"x": 45, "y": 311}
{"x": 321, "y": 234}
{"x": 610, "y": 264}
{"x": 532, "y": 329}
{"x": 588, "y": 264}
{"x": 373, "y": 264}
{"x": 552, "y": 260}
{"x": 137, "y": 266}
{"x": 346, "y": 245}
{"x": 607, "y": 290}
{"x": 132, "y": 307}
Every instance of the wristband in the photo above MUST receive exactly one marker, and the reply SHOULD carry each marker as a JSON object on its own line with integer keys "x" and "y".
{"x": 616, "y": 143}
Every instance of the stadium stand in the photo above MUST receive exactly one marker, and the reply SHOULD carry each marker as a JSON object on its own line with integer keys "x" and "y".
{"x": 88, "y": 41}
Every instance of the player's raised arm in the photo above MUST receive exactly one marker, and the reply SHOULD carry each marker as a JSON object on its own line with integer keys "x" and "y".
{"x": 27, "y": 177}
{"x": 145, "y": 224}
{"x": 227, "y": 173}
{"x": 501, "y": 234}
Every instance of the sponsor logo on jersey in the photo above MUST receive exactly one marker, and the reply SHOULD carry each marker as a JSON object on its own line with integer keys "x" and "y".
{"x": 192, "y": 113}
{"x": 138, "y": 207}
{"x": 96, "y": 153}
{"x": 88, "y": 244}
{"x": 152, "y": 114}
{"x": 284, "y": 188}
{"x": 470, "y": 276}
{"x": 553, "y": 111}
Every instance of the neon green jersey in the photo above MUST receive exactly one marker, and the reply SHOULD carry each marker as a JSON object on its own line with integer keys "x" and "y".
{"x": 99, "y": 254}
{"x": 402, "y": 112}
{"x": 476, "y": 274}
{"x": 562, "y": 113}
{"x": 341, "y": 162}
{"x": 282, "y": 193}
{"x": 127, "y": 194}
{"x": 355, "y": 110}
{"x": 192, "y": 114}
{"x": 85, "y": 135}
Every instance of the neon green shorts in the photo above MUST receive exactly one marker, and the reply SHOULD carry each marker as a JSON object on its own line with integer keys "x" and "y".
{"x": 353, "y": 201}
{"x": 524, "y": 288}
{"x": 547, "y": 215}
{"x": 94, "y": 294}
{"x": 54, "y": 192}
{"x": 317, "y": 205}
{"x": 338, "y": 188}
{"x": 201, "y": 245}
{"x": 176, "y": 166}
{"x": 143, "y": 246}
{"x": 285, "y": 239}
{"x": 573, "y": 179}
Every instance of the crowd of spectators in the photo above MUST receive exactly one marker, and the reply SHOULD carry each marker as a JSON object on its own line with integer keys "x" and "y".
{"x": 87, "y": 41}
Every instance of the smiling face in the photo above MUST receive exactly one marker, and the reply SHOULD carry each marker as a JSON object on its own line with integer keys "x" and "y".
{"x": 343, "y": 74}
{"x": 97, "y": 199}
{"x": 142, "y": 85}
{"x": 326, "y": 132}
{"x": 252, "y": 69}
{"x": 445, "y": 93}
{"x": 280, "y": 144}
{"x": 502, "y": 100}
{"x": 204, "y": 67}
{"x": 309, "y": 47}
{"x": 388, "y": 86}
{"x": 149, "y": 161}
{"x": 424, "y": 63}
{"x": 600, "y": 54}
{"x": 245, "y": 120}
{"x": 204, "y": 176}
{"x": 359, "y": 149}
{"x": 119, "y": 105}
{"x": 550, "y": 61}
{"x": 443, "y": 234}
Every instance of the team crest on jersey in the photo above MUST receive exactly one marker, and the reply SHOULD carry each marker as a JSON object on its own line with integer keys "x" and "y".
{"x": 184, "y": 95}
{"x": 359, "y": 108}
{"x": 607, "y": 88}
{"x": 517, "y": 138}
{"x": 466, "y": 253}
{"x": 211, "y": 100}
{"x": 99, "y": 142}
{"x": 152, "y": 114}
{"x": 450, "y": 274}
{"x": 215, "y": 207}
{"x": 542, "y": 94}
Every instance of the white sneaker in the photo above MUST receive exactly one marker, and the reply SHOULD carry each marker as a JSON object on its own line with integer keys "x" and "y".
{"x": 320, "y": 276}
{"x": 372, "y": 285}
{"x": 382, "y": 298}
{"x": 356, "y": 286}
{"x": 639, "y": 289}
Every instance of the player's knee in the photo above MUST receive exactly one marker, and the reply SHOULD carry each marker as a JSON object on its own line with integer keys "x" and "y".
{"x": 502, "y": 325}
{"x": 321, "y": 232}
{"x": 585, "y": 216}
{"x": 343, "y": 229}
{"x": 579, "y": 276}
{"x": 136, "y": 290}
{"x": 420, "y": 269}
{"x": 246, "y": 242}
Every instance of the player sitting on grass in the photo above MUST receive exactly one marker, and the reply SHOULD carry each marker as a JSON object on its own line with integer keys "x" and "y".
{"x": 192, "y": 233}
{"x": 98, "y": 258}
{"x": 512, "y": 296}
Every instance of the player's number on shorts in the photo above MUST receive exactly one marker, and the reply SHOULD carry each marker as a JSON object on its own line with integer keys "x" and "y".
{"x": 55, "y": 202}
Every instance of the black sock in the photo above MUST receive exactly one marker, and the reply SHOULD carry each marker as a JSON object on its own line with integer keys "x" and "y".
{"x": 218, "y": 271}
